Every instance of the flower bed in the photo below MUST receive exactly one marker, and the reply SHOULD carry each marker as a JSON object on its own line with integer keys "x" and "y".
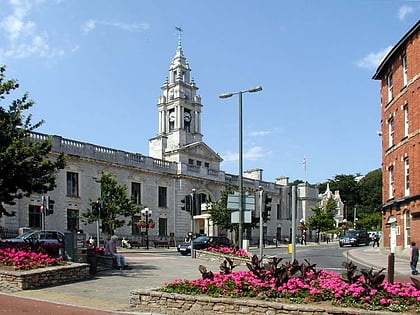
{"x": 23, "y": 260}
{"x": 302, "y": 284}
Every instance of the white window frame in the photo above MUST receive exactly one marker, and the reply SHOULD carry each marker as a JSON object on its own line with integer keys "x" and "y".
{"x": 391, "y": 132}
{"x": 406, "y": 122}
{"x": 404, "y": 69}
{"x": 390, "y": 84}
{"x": 391, "y": 182}
{"x": 407, "y": 228}
{"x": 406, "y": 176}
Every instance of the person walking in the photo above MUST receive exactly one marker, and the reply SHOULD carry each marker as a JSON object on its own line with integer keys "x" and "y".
{"x": 376, "y": 240}
{"x": 414, "y": 258}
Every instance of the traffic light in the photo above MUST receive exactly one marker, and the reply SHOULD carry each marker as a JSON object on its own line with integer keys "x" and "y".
{"x": 196, "y": 204}
{"x": 95, "y": 209}
{"x": 50, "y": 206}
{"x": 186, "y": 203}
{"x": 266, "y": 207}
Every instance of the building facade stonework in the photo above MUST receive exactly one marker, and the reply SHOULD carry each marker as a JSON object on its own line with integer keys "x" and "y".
{"x": 178, "y": 162}
{"x": 399, "y": 76}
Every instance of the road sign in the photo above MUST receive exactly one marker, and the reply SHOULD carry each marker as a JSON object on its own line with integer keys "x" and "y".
{"x": 247, "y": 207}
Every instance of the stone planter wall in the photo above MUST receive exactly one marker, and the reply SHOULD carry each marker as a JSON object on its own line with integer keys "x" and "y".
{"x": 177, "y": 304}
{"x": 11, "y": 281}
{"x": 205, "y": 254}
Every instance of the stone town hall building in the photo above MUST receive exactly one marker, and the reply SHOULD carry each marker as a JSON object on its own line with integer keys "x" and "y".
{"x": 399, "y": 76}
{"x": 178, "y": 162}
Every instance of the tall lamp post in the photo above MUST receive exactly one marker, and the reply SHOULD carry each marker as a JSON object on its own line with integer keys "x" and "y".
{"x": 147, "y": 213}
{"x": 240, "y": 179}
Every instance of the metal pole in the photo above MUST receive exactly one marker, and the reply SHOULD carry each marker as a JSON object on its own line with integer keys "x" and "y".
{"x": 147, "y": 230}
{"x": 293, "y": 223}
{"x": 192, "y": 207}
{"x": 261, "y": 192}
{"x": 240, "y": 228}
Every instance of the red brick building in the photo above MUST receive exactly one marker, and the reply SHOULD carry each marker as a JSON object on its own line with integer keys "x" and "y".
{"x": 399, "y": 75}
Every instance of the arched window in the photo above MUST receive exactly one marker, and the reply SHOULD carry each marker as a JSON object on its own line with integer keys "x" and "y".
{"x": 407, "y": 224}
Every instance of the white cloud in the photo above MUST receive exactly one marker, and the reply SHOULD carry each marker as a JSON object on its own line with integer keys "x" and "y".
{"x": 254, "y": 153}
{"x": 23, "y": 39}
{"x": 133, "y": 27}
{"x": 373, "y": 60}
{"x": 259, "y": 133}
{"x": 404, "y": 11}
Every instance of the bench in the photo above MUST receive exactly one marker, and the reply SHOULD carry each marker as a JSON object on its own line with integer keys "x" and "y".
{"x": 134, "y": 244}
{"x": 161, "y": 243}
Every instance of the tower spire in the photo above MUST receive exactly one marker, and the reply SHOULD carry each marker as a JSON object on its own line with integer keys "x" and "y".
{"x": 180, "y": 30}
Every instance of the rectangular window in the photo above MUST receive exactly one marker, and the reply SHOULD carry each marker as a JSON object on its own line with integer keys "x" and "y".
{"x": 135, "y": 230}
{"x": 163, "y": 227}
{"x": 35, "y": 216}
{"x": 404, "y": 69}
{"x": 162, "y": 197}
{"x": 406, "y": 177}
{"x": 72, "y": 184}
{"x": 391, "y": 182}
{"x": 206, "y": 164}
{"x": 391, "y": 132}
{"x": 72, "y": 220}
{"x": 136, "y": 193}
{"x": 405, "y": 120}
{"x": 278, "y": 212}
{"x": 199, "y": 163}
{"x": 191, "y": 161}
{"x": 389, "y": 86}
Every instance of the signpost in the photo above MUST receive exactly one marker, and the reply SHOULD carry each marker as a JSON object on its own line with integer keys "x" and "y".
{"x": 248, "y": 207}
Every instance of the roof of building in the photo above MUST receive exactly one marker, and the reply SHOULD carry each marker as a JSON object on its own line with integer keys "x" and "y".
{"x": 379, "y": 71}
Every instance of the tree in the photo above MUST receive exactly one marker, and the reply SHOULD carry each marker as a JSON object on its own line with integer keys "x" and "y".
{"x": 26, "y": 166}
{"x": 321, "y": 221}
{"x": 371, "y": 191}
{"x": 116, "y": 207}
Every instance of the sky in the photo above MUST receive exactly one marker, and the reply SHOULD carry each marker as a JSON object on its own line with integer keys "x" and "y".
{"x": 95, "y": 70}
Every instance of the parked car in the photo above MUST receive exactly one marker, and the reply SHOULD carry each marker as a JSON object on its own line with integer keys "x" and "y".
{"x": 355, "y": 238}
{"x": 203, "y": 242}
{"x": 43, "y": 236}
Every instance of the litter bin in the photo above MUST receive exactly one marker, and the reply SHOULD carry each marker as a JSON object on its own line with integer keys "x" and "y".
{"x": 289, "y": 248}
{"x": 91, "y": 260}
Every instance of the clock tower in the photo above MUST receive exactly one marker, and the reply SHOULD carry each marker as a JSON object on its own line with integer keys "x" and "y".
{"x": 179, "y": 116}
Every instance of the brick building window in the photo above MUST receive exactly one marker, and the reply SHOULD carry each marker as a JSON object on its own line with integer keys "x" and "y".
{"x": 72, "y": 184}
{"x": 390, "y": 132}
{"x": 406, "y": 177}
{"x": 391, "y": 182}
{"x": 407, "y": 227}
{"x": 389, "y": 83}
{"x": 136, "y": 193}
{"x": 404, "y": 69}
{"x": 405, "y": 120}
{"x": 162, "y": 198}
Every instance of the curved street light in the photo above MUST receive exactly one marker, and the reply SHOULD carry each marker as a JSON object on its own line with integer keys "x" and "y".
{"x": 240, "y": 179}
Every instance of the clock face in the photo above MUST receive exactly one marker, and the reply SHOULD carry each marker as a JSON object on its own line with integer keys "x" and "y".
{"x": 187, "y": 117}
{"x": 172, "y": 116}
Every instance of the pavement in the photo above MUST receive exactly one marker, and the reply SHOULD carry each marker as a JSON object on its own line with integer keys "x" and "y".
{"x": 108, "y": 292}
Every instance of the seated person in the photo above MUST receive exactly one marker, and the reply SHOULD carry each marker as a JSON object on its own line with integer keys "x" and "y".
{"x": 111, "y": 249}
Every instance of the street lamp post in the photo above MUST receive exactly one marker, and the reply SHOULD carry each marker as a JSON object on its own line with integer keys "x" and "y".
{"x": 240, "y": 179}
{"x": 147, "y": 213}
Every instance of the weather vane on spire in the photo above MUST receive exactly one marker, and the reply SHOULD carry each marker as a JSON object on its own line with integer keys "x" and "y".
{"x": 180, "y": 30}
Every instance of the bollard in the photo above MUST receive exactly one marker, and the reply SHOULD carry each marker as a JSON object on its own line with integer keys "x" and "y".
{"x": 290, "y": 248}
{"x": 391, "y": 260}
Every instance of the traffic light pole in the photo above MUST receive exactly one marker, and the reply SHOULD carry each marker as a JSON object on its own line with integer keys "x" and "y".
{"x": 261, "y": 194}
{"x": 192, "y": 207}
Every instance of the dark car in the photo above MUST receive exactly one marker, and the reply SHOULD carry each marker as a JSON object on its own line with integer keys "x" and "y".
{"x": 355, "y": 238}
{"x": 44, "y": 236}
{"x": 203, "y": 242}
